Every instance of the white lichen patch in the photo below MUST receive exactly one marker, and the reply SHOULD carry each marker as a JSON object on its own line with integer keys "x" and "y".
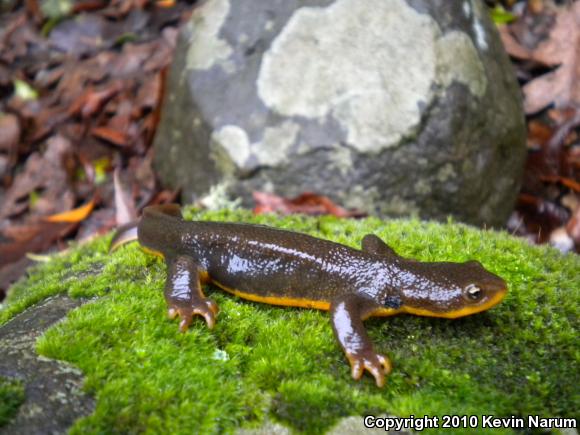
{"x": 468, "y": 167}
{"x": 206, "y": 48}
{"x": 459, "y": 61}
{"x": 357, "y": 197}
{"x": 275, "y": 144}
{"x": 220, "y": 355}
{"x": 269, "y": 25}
{"x": 446, "y": 172}
{"x": 467, "y": 8}
{"x": 231, "y": 147}
{"x": 423, "y": 187}
{"x": 228, "y": 66}
{"x": 304, "y": 148}
{"x": 356, "y": 61}
{"x": 218, "y": 198}
{"x": 480, "y": 35}
{"x": 234, "y": 141}
{"x": 478, "y": 29}
{"x": 398, "y": 206}
{"x": 341, "y": 159}
{"x": 371, "y": 65}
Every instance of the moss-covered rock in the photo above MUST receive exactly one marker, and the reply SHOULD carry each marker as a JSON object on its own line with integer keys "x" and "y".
{"x": 11, "y": 397}
{"x": 53, "y": 389}
{"x": 283, "y": 364}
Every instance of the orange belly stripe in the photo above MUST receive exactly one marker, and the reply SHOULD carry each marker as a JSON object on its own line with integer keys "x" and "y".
{"x": 277, "y": 300}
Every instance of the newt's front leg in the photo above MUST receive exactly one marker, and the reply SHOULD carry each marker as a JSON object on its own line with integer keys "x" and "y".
{"x": 184, "y": 295}
{"x": 347, "y": 315}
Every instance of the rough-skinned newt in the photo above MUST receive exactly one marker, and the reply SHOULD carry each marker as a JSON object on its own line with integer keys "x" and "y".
{"x": 274, "y": 266}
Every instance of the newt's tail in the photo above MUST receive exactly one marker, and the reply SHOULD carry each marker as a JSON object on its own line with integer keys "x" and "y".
{"x": 163, "y": 209}
{"x": 127, "y": 233}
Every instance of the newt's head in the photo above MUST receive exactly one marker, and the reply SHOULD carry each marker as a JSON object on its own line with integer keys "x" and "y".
{"x": 450, "y": 290}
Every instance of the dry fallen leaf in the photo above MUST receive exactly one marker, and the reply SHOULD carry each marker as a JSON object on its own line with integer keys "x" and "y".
{"x": 84, "y": 35}
{"x": 305, "y": 203}
{"x": 10, "y": 273}
{"x": 539, "y": 134}
{"x": 9, "y": 132}
{"x": 42, "y": 236}
{"x": 540, "y": 217}
{"x": 113, "y": 136}
{"x": 91, "y": 101}
{"x": 573, "y": 226}
{"x": 97, "y": 80}
{"x": 77, "y": 215}
{"x": 561, "y": 50}
{"x": 37, "y": 237}
{"x": 125, "y": 209}
{"x": 511, "y": 44}
{"x": 567, "y": 182}
{"x": 42, "y": 173}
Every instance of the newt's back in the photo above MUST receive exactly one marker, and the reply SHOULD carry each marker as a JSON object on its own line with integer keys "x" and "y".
{"x": 259, "y": 260}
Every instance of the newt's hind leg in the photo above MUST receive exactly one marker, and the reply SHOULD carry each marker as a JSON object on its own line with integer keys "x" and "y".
{"x": 184, "y": 295}
{"x": 347, "y": 315}
{"x": 375, "y": 245}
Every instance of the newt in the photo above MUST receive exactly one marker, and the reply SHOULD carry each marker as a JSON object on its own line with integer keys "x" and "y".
{"x": 279, "y": 267}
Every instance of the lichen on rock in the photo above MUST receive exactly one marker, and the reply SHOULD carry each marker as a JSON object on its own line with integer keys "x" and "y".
{"x": 344, "y": 96}
{"x": 209, "y": 48}
{"x": 321, "y": 65}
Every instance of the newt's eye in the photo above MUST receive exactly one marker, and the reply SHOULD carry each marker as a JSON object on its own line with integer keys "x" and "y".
{"x": 472, "y": 292}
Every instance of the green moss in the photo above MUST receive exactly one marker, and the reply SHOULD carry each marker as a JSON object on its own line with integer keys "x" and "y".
{"x": 283, "y": 363}
{"x": 11, "y": 397}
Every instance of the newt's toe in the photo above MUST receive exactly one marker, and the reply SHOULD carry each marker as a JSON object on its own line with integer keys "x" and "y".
{"x": 356, "y": 369}
{"x": 377, "y": 365}
{"x": 207, "y": 314}
{"x": 184, "y": 324}
{"x": 183, "y": 313}
{"x": 386, "y": 363}
{"x": 205, "y": 308}
{"x": 212, "y": 306}
{"x": 377, "y": 372}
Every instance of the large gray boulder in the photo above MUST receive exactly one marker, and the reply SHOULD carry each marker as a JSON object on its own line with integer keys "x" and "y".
{"x": 391, "y": 106}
